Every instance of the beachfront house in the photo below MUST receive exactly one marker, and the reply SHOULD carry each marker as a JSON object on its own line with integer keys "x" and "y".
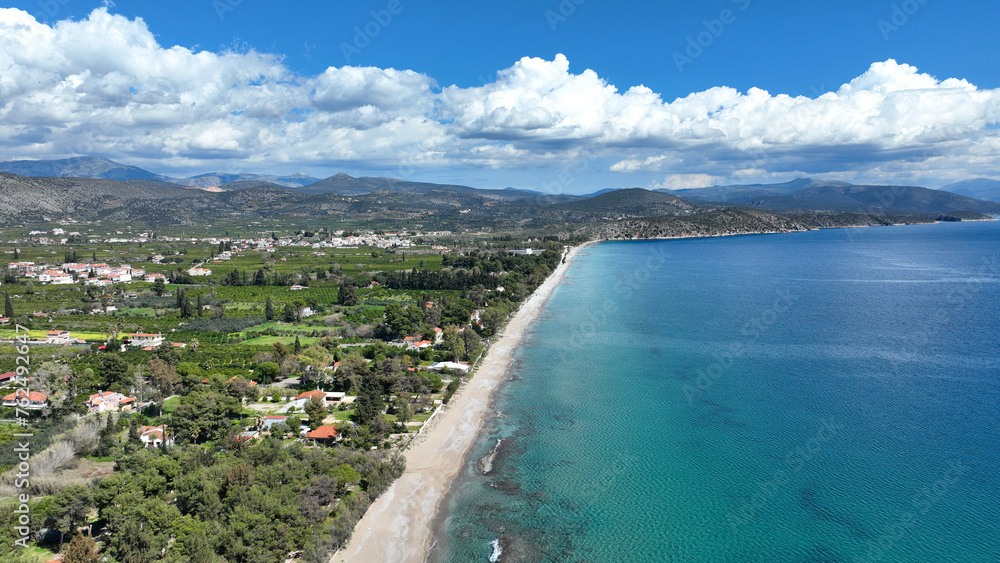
{"x": 326, "y": 435}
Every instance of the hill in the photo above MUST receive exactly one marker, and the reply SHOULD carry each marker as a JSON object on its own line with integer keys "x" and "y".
{"x": 744, "y": 193}
{"x": 79, "y": 167}
{"x": 631, "y": 202}
{"x": 874, "y": 199}
{"x": 980, "y": 188}
{"x": 215, "y": 179}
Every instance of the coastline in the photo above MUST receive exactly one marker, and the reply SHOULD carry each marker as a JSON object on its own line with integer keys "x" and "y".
{"x": 398, "y": 526}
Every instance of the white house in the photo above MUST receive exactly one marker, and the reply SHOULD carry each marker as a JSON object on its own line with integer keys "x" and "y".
{"x": 453, "y": 366}
{"x": 199, "y": 272}
{"x": 58, "y": 337}
{"x": 34, "y": 400}
{"x": 110, "y": 401}
{"x": 142, "y": 340}
{"x": 153, "y": 436}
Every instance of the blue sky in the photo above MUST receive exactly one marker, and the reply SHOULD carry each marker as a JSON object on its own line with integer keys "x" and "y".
{"x": 586, "y": 99}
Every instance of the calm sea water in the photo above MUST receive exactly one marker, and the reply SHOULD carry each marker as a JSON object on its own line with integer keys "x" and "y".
{"x": 823, "y": 396}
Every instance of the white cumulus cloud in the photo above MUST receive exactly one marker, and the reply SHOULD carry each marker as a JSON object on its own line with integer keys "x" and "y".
{"x": 104, "y": 86}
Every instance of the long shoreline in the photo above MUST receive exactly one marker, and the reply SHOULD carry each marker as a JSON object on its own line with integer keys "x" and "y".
{"x": 398, "y": 525}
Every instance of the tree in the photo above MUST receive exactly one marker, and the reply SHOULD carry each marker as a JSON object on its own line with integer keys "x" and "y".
{"x": 8, "y": 306}
{"x": 316, "y": 411}
{"x": 81, "y": 549}
{"x": 204, "y": 415}
{"x": 266, "y": 372}
{"x": 346, "y": 296}
{"x": 109, "y": 439}
{"x": 369, "y": 405}
{"x": 114, "y": 370}
{"x": 269, "y": 309}
{"x": 351, "y": 372}
{"x": 492, "y": 319}
{"x": 404, "y": 412}
{"x": 159, "y": 287}
{"x": 198, "y": 304}
{"x": 70, "y": 507}
{"x": 29, "y": 288}
{"x": 298, "y": 345}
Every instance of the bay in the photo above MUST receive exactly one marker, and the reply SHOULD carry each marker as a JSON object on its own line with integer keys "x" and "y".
{"x": 822, "y": 396}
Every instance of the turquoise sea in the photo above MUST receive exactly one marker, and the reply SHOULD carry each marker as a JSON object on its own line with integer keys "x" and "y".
{"x": 809, "y": 397}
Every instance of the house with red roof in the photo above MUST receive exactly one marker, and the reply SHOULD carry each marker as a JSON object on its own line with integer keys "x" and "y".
{"x": 110, "y": 401}
{"x": 325, "y": 434}
{"x": 141, "y": 340}
{"x": 33, "y": 400}
{"x": 153, "y": 436}
{"x": 58, "y": 337}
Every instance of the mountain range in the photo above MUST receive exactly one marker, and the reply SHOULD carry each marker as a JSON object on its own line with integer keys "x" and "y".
{"x": 981, "y": 188}
{"x": 98, "y": 189}
{"x": 92, "y": 167}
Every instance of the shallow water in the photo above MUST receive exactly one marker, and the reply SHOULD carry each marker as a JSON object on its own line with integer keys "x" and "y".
{"x": 823, "y": 396}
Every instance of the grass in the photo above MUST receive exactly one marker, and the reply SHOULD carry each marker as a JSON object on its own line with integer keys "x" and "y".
{"x": 171, "y": 404}
{"x": 286, "y": 340}
{"x": 40, "y": 334}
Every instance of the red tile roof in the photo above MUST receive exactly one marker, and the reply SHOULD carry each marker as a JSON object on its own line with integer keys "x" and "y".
{"x": 311, "y": 394}
{"x": 34, "y": 396}
{"x": 324, "y": 432}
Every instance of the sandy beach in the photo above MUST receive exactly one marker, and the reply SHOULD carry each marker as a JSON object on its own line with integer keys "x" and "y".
{"x": 397, "y": 527}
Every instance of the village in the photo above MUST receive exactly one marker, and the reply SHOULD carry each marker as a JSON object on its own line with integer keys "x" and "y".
{"x": 334, "y": 344}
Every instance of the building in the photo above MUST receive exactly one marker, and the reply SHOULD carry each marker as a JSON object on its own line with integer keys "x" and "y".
{"x": 451, "y": 366}
{"x": 58, "y": 337}
{"x": 271, "y": 420}
{"x": 154, "y": 436}
{"x": 110, "y": 401}
{"x": 34, "y": 400}
{"x": 325, "y": 434}
{"x": 199, "y": 272}
{"x": 142, "y": 340}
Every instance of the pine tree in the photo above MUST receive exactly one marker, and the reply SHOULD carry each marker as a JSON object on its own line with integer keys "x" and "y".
{"x": 298, "y": 346}
{"x": 17, "y": 254}
{"x": 81, "y": 549}
{"x": 8, "y": 306}
{"x": 199, "y": 305}
{"x": 269, "y": 309}
{"x": 368, "y": 410}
